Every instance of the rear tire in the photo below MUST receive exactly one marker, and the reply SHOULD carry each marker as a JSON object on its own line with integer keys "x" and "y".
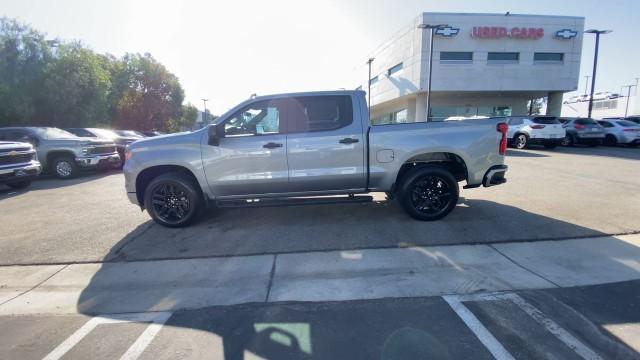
{"x": 428, "y": 193}
{"x": 520, "y": 141}
{"x": 610, "y": 140}
{"x": 173, "y": 200}
{"x": 64, "y": 167}
{"x": 19, "y": 185}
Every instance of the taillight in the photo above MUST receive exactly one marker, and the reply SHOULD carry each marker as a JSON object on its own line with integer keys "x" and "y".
{"x": 537, "y": 126}
{"x": 634, "y": 130}
{"x": 578, "y": 126}
{"x": 502, "y": 128}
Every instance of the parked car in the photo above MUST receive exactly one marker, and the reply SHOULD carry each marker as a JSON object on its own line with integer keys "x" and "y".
{"x": 619, "y": 131}
{"x": 19, "y": 164}
{"x": 121, "y": 141}
{"x": 63, "y": 153}
{"x": 151, "y": 133}
{"x": 605, "y": 95}
{"x": 581, "y": 131}
{"x": 130, "y": 133}
{"x": 281, "y": 149}
{"x": 635, "y": 119}
{"x": 541, "y": 130}
{"x": 573, "y": 99}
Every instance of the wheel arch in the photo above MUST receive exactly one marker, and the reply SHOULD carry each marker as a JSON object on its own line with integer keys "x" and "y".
{"x": 450, "y": 161}
{"x": 145, "y": 177}
{"x": 51, "y": 155}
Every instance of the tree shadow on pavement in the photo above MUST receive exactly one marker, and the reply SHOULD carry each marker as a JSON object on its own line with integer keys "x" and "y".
{"x": 46, "y": 182}
{"x": 384, "y": 328}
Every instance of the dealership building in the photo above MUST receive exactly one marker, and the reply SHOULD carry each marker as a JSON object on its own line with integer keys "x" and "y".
{"x": 483, "y": 64}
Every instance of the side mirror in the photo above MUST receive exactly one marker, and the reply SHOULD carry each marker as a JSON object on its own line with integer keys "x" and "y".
{"x": 30, "y": 139}
{"x": 216, "y": 132}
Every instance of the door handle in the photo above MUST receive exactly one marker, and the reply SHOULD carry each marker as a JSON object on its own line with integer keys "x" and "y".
{"x": 348, "y": 141}
{"x": 271, "y": 145}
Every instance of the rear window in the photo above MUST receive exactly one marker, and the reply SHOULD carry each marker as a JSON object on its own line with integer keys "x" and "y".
{"x": 322, "y": 113}
{"x": 545, "y": 120}
{"x": 586, "y": 122}
{"x": 625, "y": 123}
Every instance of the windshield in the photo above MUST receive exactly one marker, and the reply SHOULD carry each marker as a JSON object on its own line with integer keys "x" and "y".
{"x": 51, "y": 133}
{"x": 626, "y": 123}
{"x": 104, "y": 133}
{"x": 127, "y": 133}
{"x": 546, "y": 120}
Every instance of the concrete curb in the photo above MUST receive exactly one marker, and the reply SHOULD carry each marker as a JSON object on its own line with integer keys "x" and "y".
{"x": 170, "y": 285}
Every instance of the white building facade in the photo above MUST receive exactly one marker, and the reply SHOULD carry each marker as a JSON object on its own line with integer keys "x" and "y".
{"x": 483, "y": 64}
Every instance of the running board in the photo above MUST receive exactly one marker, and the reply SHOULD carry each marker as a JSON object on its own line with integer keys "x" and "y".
{"x": 296, "y": 201}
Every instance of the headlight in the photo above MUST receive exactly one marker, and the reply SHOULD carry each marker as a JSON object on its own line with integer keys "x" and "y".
{"x": 127, "y": 154}
{"x": 86, "y": 150}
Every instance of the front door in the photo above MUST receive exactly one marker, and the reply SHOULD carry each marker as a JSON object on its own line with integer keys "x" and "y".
{"x": 325, "y": 144}
{"x": 251, "y": 159}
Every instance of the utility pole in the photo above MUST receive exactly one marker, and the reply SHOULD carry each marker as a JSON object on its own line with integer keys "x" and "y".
{"x": 369, "y": 87}
{"x": 636, "y": 92}
{"x": 432, "y": 29}
{"x": 205, "y": 117}
{"x": 595, "y": 63}
{"x": 626, "y": 109}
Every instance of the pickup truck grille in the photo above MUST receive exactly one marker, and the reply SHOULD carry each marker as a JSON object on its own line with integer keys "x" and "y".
{"x": 6, "y": 159}
{"x": 4, "y": 152}
{"x": 102, "y": 150}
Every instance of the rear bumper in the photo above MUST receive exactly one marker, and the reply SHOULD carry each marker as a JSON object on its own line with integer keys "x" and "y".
{"x": 495, "y": 176}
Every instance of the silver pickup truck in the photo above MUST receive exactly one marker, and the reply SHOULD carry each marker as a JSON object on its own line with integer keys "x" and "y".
{"x": 19, "y": 164}
{"x": 315, "y": 147}
{"x": 63, "y": 153}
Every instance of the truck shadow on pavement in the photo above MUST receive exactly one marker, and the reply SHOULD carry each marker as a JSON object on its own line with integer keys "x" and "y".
{"x": 419, "y": 327}
{"x": 381, "y": 224}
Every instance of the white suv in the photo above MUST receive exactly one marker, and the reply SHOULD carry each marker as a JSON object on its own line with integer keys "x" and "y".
{"x": 543, "y": 130}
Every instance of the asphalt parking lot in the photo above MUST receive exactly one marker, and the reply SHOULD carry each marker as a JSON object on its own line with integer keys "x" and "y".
{"x": 550, "y": 194}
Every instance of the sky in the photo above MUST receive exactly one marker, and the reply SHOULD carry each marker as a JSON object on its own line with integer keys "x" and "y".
{"x": 225, "y": 51}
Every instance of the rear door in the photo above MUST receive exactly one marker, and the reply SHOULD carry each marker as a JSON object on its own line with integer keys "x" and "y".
{"x": 251, "y": 159}
{"x": 325, "y": 144}
{"x": 515, "y": 125}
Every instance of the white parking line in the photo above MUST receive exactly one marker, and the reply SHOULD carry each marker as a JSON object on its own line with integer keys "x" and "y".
{"x": 157, "y": 319}
{"x": 563, "y": 335}
{"x": 486, "y": 338}
{"x": 490, "y": 342}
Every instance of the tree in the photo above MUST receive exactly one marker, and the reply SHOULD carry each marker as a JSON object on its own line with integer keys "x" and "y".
{"x": 187, "y": 119}
{"x": 535, "y": 106}
{"x": 74, "y": 89}
{"x": 152, "y": 95}
{"x": 25, "y": 54}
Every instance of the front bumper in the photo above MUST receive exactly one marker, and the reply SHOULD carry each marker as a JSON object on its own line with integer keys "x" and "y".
{"x": 20, "y": 172}
{"x": 95, "y": 160}
{"x": 495, "y": 176}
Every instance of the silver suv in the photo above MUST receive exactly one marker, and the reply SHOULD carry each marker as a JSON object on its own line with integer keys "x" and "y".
{"x": 63, "y": 153}
{"x": 541, "y": 130}
{"x": 582, "y": 131}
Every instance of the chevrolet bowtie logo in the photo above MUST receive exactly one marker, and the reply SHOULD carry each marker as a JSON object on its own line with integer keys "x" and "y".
{"x": 566, "y": 34}
{"x": 13, "y": 153}
{"x": 447, "y": 31}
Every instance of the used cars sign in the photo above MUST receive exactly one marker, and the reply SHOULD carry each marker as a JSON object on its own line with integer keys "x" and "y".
{"x": 499, "y": 32}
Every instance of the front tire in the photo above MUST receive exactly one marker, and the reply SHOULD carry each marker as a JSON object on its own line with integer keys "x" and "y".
{"x": 567, "y": 140}
{"x": 428, "y": 193}
{"x": 173, "y": 200}
{"x": 64, "y": 167}
{"x": 610, "y": 140}
{"x": 520, "y": 141}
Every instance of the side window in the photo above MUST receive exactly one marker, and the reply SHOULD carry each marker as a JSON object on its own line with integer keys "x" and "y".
{"x": 321, "y": 113}
{"x": 260, "y": 118}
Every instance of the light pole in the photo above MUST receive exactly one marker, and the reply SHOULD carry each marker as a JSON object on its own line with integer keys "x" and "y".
{"x": 595, "y": 63}
{"x": 204, "y": 118}
{"x": 626, "y": 109}
{"x": 369, "y": 87}
{"x": 432, "y": 29}
{"x": 586, "y": 84}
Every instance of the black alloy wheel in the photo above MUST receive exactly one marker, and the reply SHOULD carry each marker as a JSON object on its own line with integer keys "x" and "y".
{"x": 429, "y": 192}
{"x": 172, "y": 200}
